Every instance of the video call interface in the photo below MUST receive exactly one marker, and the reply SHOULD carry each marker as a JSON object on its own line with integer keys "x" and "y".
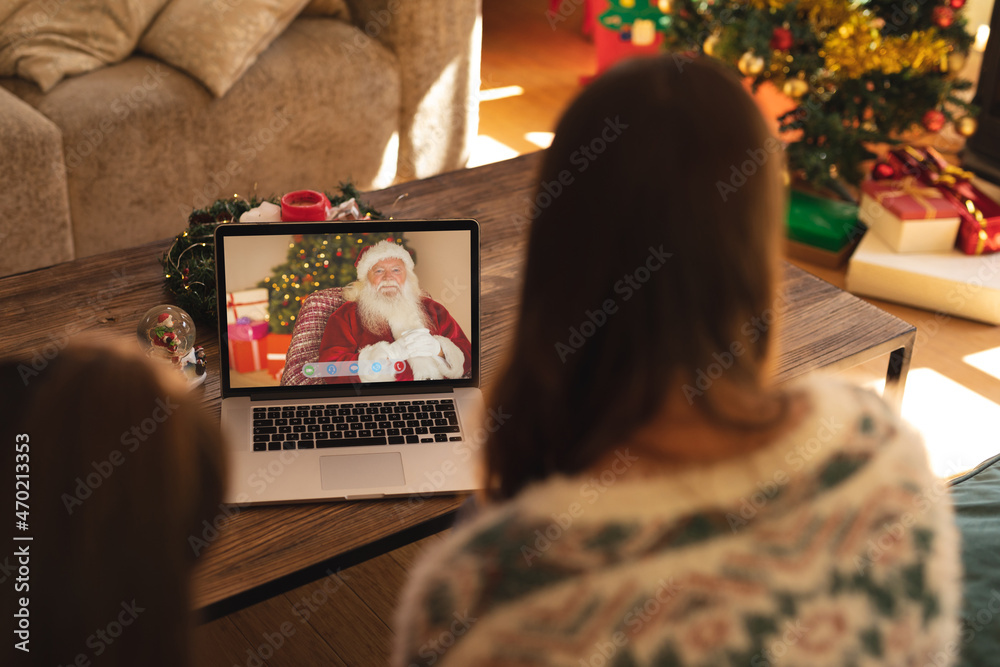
{"x": 400, "y": 321}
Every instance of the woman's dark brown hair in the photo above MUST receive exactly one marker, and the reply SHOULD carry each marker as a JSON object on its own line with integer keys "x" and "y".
{"x": 123, "y": 467}
{"x": 653, "y": 249}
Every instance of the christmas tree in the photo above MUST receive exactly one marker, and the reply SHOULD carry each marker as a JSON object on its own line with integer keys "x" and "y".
{"x": 858, "y": 73}
{"x": 315, "y": 262}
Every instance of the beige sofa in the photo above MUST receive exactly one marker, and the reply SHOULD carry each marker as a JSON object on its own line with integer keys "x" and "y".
{"x": 120, "y": 155}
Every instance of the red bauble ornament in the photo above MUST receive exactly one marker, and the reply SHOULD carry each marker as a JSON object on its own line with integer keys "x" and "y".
{"x": 943, "y": 16}
{"x": 882, "y": 171}
{"x": 781, "y": 39}
{"x": 957, "y": 4}
{"x": 933, "y": 120}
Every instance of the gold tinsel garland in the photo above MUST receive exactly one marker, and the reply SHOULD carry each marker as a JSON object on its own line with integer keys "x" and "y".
{"x": 854, "y": 45}
{"x": 857, "y": 48}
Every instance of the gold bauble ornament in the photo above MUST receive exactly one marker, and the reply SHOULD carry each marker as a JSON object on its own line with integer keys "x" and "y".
{"x": 709, "y": 46}
{"x": 628, "y": 4}
{"x": 795, "y": 88}
{"x": 956, "y": 61}
{"x": 750, "y": 64}
{"x": 665, "y": 6}
{"x": 966, "y": 126}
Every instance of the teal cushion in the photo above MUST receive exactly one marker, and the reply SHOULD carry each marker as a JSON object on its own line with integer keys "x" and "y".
{"x": 976, "y": 496}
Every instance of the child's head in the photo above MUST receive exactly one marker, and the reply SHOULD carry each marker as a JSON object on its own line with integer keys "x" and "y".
{"x": 124, "y": 467}
{"x": 652, "y": 257}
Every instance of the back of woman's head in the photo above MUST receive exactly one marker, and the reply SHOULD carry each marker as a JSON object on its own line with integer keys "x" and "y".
{"x": 653, "y": 248}
{"x": 123, "y": 467}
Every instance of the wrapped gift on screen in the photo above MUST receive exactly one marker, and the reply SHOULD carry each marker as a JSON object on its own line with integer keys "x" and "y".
{"x": 909, "y": 215}
{"x": 277, "y": 349}
{"x": 250, "y": 303}
{"x": 248, "y": 345}
{"x": 820, "y": 230}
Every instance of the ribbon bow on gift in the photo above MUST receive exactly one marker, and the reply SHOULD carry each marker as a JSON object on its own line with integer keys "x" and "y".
{"x": 933, "y": 169}
{"x": 910, "y": 187}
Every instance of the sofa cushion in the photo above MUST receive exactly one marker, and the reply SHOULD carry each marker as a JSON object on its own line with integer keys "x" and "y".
{"x": 44, "y": 41}
{"x": 976, "y": 496}
{"x": 216, "y": 42}
{"x": 145, "y": 144}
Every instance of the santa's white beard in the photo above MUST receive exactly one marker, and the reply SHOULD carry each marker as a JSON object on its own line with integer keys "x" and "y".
{"x": 396, "y": 310}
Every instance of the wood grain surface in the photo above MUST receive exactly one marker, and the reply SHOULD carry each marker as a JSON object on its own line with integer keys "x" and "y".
{"x": 105, "y": 296}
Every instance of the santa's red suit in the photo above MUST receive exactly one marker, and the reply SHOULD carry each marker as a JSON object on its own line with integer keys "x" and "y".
{"x": 344, "y": 339}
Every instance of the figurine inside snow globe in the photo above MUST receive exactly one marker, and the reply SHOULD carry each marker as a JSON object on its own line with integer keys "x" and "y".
{"x": 168, "y": 333}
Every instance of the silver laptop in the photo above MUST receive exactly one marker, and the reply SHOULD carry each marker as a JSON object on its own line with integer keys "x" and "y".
{"x": 350, "y": 355}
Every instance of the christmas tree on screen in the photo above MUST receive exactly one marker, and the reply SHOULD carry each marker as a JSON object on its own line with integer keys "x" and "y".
{"x": 315, "y": 262}
{"x": 856, "y": 73}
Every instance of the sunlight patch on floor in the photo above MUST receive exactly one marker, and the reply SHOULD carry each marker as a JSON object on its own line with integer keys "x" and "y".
{"x": 540, "y": 139}
{"x": 499, "y": 93}
{"x": 958, "y": 425}
{"x": 487, "y": 150}
{"x": 988, "y": 361}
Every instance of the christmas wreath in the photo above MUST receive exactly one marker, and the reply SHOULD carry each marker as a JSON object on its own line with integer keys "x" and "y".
{"x": 189, "y": 264}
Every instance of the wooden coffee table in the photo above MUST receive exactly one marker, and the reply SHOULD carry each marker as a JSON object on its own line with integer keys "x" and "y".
{"x": 257, "y": 552}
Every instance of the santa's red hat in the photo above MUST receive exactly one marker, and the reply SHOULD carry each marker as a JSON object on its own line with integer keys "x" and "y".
{"x": 373, "y": 254}
{"x": 162, "y": 317}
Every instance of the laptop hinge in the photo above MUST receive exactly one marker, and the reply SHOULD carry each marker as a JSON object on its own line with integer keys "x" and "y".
{"x": 366, "y": 392}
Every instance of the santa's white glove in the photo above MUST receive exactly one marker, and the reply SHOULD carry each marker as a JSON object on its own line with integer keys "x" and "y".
{"x": 397, "y": 351}
{"x": 420, "y": 343}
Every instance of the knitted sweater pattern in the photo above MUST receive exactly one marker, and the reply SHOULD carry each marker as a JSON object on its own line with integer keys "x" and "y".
{"x": 833, "y": 546}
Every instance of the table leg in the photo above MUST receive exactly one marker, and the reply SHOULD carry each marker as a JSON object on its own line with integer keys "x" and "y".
{"x": 895, "y": 376}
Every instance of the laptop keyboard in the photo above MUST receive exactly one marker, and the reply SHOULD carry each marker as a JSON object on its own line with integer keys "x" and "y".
{"x": 354, "y": 424}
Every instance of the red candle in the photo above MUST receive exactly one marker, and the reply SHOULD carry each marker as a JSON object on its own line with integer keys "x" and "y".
{"x": 304, "y": 206}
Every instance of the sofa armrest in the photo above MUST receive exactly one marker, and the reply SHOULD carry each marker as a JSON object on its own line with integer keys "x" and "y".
{"x": 438, "y": 44}
{"x": 35, "y": 229}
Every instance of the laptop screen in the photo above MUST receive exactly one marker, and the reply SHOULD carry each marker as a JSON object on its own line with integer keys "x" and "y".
{"x": 356, "y": 305}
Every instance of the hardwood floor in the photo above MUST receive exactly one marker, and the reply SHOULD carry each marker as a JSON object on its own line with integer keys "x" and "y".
{"x": 531, "y": 70}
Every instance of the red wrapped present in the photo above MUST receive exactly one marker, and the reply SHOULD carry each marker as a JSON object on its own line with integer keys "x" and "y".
{"x": 979, "y": 229}
{"x": 909, "y": 216}
{"x": 277, "y": 348}
{"x": 247, "y": 345}
{"x": 246, "y": 356}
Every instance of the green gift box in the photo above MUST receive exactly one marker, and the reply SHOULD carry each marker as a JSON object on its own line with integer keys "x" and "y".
{"x": 822, "y": 223}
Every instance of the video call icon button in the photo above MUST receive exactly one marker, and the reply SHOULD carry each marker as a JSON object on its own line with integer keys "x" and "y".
{"x": 308, "y": 370}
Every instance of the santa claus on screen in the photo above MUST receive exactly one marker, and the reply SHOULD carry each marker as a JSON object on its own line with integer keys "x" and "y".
{"x": 390, "y": 328}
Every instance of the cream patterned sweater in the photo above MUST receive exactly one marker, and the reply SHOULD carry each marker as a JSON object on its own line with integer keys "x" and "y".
{"x": 833, "y": 546}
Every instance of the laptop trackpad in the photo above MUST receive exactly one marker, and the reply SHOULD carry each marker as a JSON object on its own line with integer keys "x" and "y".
{"x": 360, "y": 471}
